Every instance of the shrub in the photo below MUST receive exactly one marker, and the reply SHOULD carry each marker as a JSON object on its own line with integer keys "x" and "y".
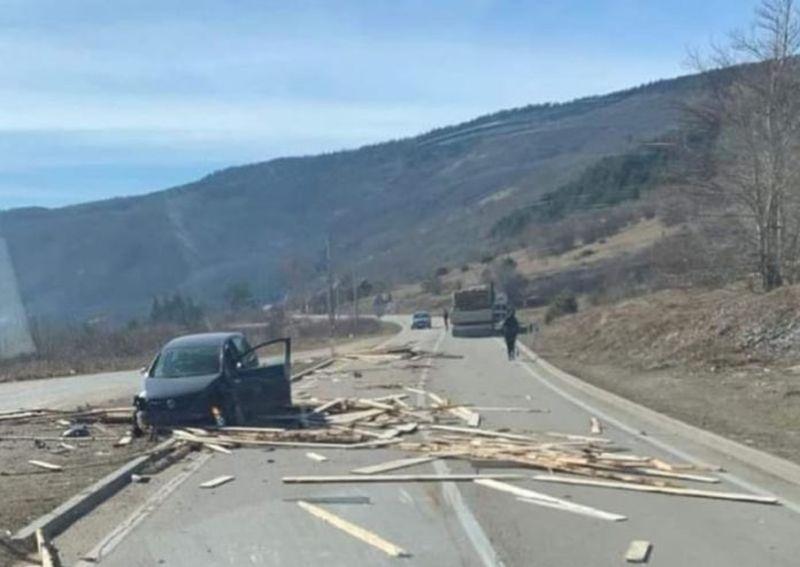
{"x": 562, "y": 304}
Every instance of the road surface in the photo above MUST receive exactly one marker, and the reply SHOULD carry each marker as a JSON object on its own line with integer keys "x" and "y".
{"x": 253, "y": 521}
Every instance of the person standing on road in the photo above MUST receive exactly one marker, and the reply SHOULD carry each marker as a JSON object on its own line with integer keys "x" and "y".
{"x": 446, "y": 317}
{"x": 510, "y": 332}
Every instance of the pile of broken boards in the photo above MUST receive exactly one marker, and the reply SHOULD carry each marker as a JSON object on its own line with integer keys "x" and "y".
{"x": 429, "y": 430}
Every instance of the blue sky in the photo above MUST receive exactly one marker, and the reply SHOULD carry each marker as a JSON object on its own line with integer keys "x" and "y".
{"x": 100, "y": 98}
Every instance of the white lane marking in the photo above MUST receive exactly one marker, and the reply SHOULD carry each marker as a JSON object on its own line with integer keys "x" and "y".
{"x": 119, "y": 533}
{"x": 663, "y": 445}
{"x": 452, "y": 495}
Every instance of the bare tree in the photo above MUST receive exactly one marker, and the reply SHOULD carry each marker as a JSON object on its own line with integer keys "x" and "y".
{"x": 753, "y": 111}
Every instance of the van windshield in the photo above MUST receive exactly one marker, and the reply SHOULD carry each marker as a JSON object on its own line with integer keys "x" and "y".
{"x": 185, "y": 361}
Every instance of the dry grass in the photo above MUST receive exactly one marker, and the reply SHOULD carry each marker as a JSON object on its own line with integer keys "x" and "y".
{"x": 63, "y": 351}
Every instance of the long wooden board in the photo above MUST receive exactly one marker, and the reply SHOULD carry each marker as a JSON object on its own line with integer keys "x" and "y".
{"x": 357, "y": 532}
{"x": 739, "y": 497}
{"x": 397, "y": 478}
{"x": 392, "y": 465}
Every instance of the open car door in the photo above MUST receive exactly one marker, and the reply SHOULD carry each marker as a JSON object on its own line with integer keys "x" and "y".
{"x": 266, "y": 377}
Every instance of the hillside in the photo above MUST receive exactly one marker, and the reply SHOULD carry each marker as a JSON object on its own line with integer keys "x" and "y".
{"x": 395, "y": 210}
{"x": 722, "y": 359}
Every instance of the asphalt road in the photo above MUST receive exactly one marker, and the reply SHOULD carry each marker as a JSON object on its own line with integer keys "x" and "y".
{"x": 251, "y": 521}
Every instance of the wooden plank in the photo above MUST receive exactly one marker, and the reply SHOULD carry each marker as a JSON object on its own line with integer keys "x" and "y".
{"x": 238, "y": 429}
{"x": 356, "y": 531}
{"x": 352, "y": 417}
{"x": 218, "y": 448}
{"x": 548, "y": 501}
{"x": 375, "y": 404}
{"x": 393, "y": 465}
{"x": 407, "y": 427}
{"x": 677, "y": 476}
{"x": 638, "y": 551}
{"x": 396, "y": 478}
{"x": 124, "y": 441}
{"x": 739, "y": 497}
{"x": 483, "y": 432}
{"x": 328, "y": 405}
{"x": 219, "y": 481}
{"x": 45, "y": 465}
{"x": 317, "y": 457}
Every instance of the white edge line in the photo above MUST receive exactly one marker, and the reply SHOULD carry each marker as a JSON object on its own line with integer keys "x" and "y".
{"x": 122, "y": 530}
{"x": 452, "y": 495}
{"x": 663, "y": 445}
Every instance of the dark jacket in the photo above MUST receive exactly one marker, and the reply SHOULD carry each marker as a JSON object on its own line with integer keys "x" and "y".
{"x": 511, "y": 327}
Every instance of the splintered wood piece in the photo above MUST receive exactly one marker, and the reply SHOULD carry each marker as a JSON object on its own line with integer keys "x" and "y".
{"x": 219, "y": 481}
{"x": 352, "y": 417}
{"x": 357, "y": 532}
{"x": 739, "y": 497}
{"x": 392, "y": 465}
{"x": 217, "y": 448}
{"x": 47, "y": 466}
{"x": 407, "y": 427}
{"x": 124, "y": 441}
{"x": 638, "y": 551}
{"x": 317, "y": 457}
{"x": 327, "y": 406}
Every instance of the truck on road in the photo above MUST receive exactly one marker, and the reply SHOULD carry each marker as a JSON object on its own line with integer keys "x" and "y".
{"x": 478, "y": 311}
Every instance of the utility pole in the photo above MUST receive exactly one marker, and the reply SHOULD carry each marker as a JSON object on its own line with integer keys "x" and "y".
{"x": 331, "y": 315}
{"x": 355, "y": 302}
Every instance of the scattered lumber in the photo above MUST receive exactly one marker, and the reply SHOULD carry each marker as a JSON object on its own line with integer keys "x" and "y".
{"x": 356, "y": 531}
{"x": 47, "y": 466}
{"x": 739, "y": 497}
{"x": 546, "y": 500}
{"x": 396, "y": 478}
{"x": 219, "y": 481}
{"x": 638, "y": 551}
{"x": 393, "y": 465}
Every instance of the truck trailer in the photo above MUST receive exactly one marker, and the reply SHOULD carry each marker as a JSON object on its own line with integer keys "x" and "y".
{"x": 478, "y": 311}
